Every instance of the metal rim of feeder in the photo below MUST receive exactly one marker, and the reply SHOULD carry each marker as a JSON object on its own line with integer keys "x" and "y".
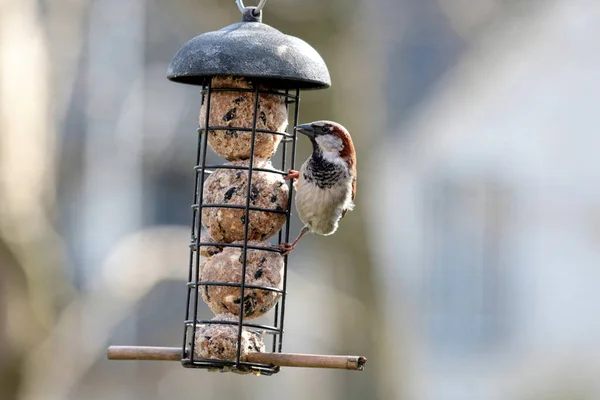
{"x": 285, "y": 65}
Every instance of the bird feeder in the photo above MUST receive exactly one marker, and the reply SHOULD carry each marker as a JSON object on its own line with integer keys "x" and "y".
{"x": 251, "y": 77}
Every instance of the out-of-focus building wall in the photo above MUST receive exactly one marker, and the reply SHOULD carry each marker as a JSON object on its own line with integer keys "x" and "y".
{"x": 487, "y": 230}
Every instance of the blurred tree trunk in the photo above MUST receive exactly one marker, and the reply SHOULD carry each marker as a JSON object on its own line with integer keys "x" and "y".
{"x": 31, "y": 267}
{"x": 10, "y": 355}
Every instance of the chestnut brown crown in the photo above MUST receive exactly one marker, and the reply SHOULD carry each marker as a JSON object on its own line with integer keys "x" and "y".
{"x": 317, "y": 128}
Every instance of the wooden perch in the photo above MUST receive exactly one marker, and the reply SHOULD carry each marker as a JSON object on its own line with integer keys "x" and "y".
{"x": 281, "y": 359}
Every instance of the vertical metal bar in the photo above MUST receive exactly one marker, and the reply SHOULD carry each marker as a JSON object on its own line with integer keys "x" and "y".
{"x": 284, "y": 149}
{"x": 193, "y": 236}
{"x": 283, "y": 168}
{"x": 247, "y": 223}
{"x": 287, "y": 224}
{"x": 199, "y": 215}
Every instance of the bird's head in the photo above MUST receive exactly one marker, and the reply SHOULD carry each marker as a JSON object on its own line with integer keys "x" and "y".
{"x": 331, "y": 139}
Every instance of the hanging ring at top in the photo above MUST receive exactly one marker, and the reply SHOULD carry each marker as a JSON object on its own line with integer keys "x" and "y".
{"x": 257, "y": 10}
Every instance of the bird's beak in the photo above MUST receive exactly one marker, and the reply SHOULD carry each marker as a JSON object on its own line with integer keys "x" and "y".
{"x": 306, "y": 129}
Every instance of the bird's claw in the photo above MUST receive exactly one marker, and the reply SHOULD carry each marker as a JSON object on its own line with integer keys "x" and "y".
{"x": 292, "y": 174}
{"x": 285, "y": 248}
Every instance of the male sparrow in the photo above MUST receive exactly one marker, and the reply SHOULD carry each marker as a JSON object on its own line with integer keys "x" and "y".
{"x": 326, "y": 182}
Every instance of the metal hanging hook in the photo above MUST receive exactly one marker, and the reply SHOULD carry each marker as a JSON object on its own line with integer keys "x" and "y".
{"x": 257, "y": 10}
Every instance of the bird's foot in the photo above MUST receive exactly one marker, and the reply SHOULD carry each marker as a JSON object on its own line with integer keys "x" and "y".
{"x": 292, "y": 174}
{"x": 285, "y": 248}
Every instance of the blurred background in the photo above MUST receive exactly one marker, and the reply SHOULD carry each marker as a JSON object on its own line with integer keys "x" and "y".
{"x": 469, "y": 269}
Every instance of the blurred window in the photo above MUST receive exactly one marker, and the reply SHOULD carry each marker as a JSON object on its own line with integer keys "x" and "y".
{"x": 465, "y": 280}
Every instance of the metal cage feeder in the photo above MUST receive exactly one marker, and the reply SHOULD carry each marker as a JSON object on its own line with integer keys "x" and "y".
{"x": 274, "y": 64}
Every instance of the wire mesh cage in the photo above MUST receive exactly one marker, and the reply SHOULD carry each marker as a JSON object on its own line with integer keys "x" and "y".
{"x": 275, "y": 66}
{"x": 288, "y": 148}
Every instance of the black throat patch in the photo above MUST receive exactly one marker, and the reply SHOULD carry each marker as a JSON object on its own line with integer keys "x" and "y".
{"x": 323, "y": 173}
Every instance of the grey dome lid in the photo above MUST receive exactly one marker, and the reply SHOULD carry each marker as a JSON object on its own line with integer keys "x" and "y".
{"x": 250, "y": 49}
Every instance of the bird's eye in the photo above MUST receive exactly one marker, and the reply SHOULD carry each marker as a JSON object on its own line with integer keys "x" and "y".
{"x": 326, "y": 128}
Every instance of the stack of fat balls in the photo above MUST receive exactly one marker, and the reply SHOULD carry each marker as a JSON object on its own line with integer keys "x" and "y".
{"x": 235, "y": 109}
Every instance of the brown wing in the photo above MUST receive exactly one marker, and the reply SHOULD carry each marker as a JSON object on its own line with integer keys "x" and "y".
{"x": 348, "y": 153}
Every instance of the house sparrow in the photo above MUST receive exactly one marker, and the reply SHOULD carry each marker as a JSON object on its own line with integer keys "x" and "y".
{"x": 326, "y": 182}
